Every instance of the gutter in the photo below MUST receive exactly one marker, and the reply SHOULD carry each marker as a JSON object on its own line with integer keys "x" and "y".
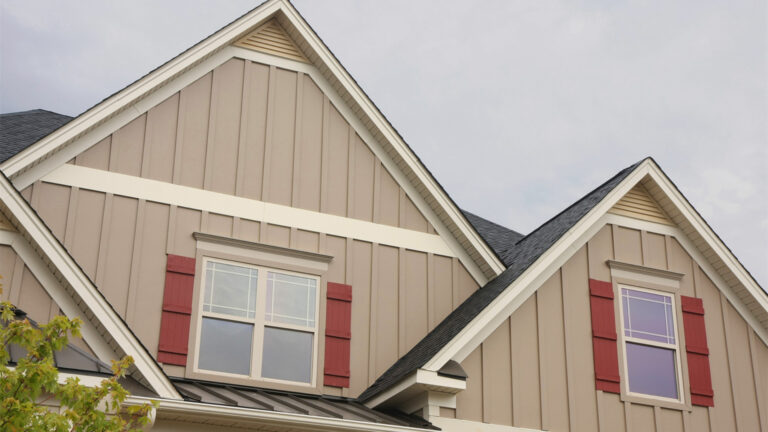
{"x": 198, "y": 412}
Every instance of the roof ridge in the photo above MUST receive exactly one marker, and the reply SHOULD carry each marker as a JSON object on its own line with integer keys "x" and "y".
{"x": 32, "y": 111}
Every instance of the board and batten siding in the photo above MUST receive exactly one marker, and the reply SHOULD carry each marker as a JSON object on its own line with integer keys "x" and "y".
{"x": 257, "y": 131}
{"x": 121, "y": 243}
{"x": 22, "y": 289}
{"x": 536, "y": 370}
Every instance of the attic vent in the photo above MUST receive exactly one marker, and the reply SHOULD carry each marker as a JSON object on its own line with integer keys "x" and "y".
{"x": 271, "y": 38}
{"x": 639, "y": 204}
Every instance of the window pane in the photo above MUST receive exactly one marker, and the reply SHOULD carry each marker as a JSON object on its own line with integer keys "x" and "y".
{"x": 651, "y": 370}
{"x": 287, "y": 355}
{"x": 648, "y": 316}
{"x": 291, "y": 299}
{"x": 230, "y": 290}
{"x": 225, "y": 346}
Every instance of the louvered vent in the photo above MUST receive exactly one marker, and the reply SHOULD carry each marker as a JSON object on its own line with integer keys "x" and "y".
{"x": 639, "y": 204}
{"x": 271, "y": 38}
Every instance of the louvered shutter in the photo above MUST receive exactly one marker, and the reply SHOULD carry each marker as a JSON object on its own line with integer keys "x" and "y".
{"x": 697, "y": 351}
{"x": 604, "y": 344}
{"x": 177, "y": 310}
{"x": 338, "y": 333}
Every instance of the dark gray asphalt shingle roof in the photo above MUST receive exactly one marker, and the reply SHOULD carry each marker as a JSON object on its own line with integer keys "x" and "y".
{"x": 525, "y": 252}
{"x": 501, "y": 239}
{"x": 20, "y": 130}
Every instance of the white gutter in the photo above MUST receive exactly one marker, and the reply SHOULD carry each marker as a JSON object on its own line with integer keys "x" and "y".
{"x": 196, "y": 411}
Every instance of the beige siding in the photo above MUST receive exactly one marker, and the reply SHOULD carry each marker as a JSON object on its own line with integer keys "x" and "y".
{"x": 22, "y": 289}
{"x": 547, "y": 346}
{"x": 122, "y": 243}
{"x": 261, "y": 132}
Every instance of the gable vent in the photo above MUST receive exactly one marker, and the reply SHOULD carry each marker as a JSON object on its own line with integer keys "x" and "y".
{"x": 271, "y": 38}
{"x": 638, "y": 204}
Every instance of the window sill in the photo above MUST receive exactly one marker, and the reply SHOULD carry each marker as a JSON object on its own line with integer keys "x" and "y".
{"x": 226, "y": 378}
{"x": 654, "y": 402}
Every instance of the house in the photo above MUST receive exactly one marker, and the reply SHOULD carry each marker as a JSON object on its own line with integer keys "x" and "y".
{"x": 248, "y": 226}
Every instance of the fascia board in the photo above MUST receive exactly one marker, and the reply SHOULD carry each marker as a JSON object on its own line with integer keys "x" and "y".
{"x": 402, "y": 149}
{"x": 251, "y": 417}
{"x": 136, "y": 91}
{"x": 709, "y": 236}
{"x": 131, "y": 95}
{"x": 520, "y": 290}
{"x": 526, "y": 284}
{"x": 419, "y": 381}
{"x": 93, "y": 300}
{"x": 57, "y": 292}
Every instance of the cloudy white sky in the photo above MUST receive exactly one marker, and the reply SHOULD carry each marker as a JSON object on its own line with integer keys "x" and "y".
{"x": 518, "y": 107}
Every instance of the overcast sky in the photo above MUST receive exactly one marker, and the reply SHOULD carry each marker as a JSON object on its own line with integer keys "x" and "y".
{"x": 517, "y": 107}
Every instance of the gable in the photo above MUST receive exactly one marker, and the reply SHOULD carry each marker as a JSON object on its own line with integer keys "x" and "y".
{"x": 536, "y": 369}
{"x": 371, "y": 127}
{"x": 268, "y": 134}
{"x": 543, "y": 251}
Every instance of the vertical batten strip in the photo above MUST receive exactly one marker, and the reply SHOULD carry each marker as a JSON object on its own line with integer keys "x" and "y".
{"x": 268, "y": 134}
{"x": 297, "y": 139}
{"x": 243, "y": 133}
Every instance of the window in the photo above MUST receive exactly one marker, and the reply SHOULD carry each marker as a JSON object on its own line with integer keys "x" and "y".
{"x": 257, "y": 322}
{"x": 651, "y": 346}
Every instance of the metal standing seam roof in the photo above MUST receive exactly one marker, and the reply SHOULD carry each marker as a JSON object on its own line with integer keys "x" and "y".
{"x": 525, "y": 252}
{"x": 291, "y": 402}
{"x": 20, "y": 130}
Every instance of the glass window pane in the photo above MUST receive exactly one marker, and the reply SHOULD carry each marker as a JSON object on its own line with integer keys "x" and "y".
{"x": 230, "y": 290}
{"x": 647, "y": 316}
{"x": 225, "y": 346}
{"x": 651, "y": 370}
{"x": 291, "y": 299}
{"x": 287, "y": 355}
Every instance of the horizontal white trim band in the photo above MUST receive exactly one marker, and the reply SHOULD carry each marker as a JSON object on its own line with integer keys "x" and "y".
{"x": 215, "y": 202}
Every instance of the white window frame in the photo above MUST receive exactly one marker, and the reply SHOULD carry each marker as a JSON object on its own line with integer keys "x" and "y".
{"x": 259, "y": 323}
{"x": 629, "y": 339}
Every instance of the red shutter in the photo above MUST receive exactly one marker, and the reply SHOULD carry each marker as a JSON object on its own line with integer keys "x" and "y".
{"x": 604, "y": 336}
{"x": 697, "y": 350}
{"x": 338, "y": 332}
{"x": 177, "y": 310}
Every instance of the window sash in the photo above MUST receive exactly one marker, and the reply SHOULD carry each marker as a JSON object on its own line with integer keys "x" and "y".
{"x": 259, "y": 322}
{"x": 640, "y": 341}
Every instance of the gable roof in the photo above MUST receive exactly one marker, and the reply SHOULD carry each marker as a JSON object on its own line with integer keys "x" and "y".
{"x": 521, "y": 255}
{"x": 484, "y": 308}
{"x": 498, "y": 237}
{"x": 20, "y": 130}
{"x": 79, "y": 294}
{"x": 88, "y": 128}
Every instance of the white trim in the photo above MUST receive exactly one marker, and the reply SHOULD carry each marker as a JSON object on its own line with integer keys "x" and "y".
{"x": 258, "y": 322}
{"x": 526, "y": 284}
{"x": 47, "y": 245}
{"x": 679, "y": 383}
{"x": 197, "y": 411}
{"x": 697, "y": 256}
{"x": 199, "y": 199}
{"x": 420, "y": 381}
{"x": 645, "y": 274}
{"x": 457, "y": 425}
{"x": 385, "y": 158}
{"x": 41, "y": 158}
{"x": 58, "y": 294}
